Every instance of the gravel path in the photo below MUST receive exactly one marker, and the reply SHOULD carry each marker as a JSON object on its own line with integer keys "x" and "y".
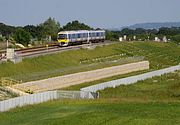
{"x": 82, "y": 77}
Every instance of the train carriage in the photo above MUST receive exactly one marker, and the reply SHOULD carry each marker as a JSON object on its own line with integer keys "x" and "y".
{"x": 66, "y": 38}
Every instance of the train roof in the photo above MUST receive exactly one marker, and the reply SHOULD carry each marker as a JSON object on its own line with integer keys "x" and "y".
{"x": 80, "y": 31}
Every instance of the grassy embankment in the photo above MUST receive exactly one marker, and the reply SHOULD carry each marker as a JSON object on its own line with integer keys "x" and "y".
{"x": 4, "y": 94}
{"x": 160, "y": 55}
{"x": 154, "y": 101}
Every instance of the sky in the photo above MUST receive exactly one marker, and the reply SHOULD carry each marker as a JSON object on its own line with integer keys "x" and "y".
{"x": 96, "y": 13}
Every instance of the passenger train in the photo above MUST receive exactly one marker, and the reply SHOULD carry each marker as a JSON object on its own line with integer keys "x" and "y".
{"x": 66, "y": 38}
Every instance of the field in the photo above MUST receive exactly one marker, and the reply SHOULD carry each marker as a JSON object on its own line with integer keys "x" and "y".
{"x": 160, "y": 55}
{"x": 154, "y": 101}
{"x": 165, "y": 88}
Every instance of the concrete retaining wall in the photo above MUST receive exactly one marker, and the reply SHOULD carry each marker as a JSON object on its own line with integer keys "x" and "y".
{"x": 130, "y": 80}
{"x": 44, "y": 97}
{"x": 82, "y": 77}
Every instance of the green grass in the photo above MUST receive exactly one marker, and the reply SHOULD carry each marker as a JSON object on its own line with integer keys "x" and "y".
{"x": 94, "y": 112}
{"x": 153, "y": 101}
{"x": 160, "y": 55}
{"x": 164, "y": 88}
{"x": 78, "y": 87}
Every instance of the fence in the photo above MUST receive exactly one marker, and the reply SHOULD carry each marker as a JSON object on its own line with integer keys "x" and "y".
{"x": 129, "y": 80}
{"x": 43, "y": 97}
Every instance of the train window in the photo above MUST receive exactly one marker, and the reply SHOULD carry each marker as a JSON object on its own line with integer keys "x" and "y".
{"x": 97, "y": 34}
{"x": 73, "y": 36}
{"x": 62, "y": 36}
{"x": 102, "y": 33}
{"x": 79, "y": 35}
{"x": 82, "y": 35}
{"x": 94, "y": 34}
{"x": 69, "y": 35}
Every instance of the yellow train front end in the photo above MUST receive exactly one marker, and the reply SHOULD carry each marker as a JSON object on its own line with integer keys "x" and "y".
{"x": 63, "y": 39}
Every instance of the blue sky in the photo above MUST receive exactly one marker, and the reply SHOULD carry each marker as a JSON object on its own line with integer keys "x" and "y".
{"x": 97, "y": 13}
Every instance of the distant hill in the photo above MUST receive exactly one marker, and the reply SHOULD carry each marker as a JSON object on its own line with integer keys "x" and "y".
{"x": 154, "y": 25}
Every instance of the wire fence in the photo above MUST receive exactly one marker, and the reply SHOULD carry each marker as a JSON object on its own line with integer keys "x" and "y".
{"x": 129, "y": 80}
{"x": 44, "y": 97}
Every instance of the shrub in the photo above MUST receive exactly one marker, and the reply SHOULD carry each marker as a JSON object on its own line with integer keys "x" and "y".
{"x": 22, "y": 37}
{"x": 1, "y": 39}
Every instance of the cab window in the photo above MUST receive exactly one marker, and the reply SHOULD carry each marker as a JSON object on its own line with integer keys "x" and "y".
{"x": 62, "y": 36}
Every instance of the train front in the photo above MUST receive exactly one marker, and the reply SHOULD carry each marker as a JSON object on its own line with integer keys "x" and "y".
{"x": 63, "y": 39}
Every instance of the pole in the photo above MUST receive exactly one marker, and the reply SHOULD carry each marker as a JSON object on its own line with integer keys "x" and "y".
{"x": 7, "y": 43}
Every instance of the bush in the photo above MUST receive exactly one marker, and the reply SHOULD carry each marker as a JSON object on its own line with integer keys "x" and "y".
{"x": 22, "y": 37}
{"x": 176, "y": 39}
{"x": 1, "y": 39}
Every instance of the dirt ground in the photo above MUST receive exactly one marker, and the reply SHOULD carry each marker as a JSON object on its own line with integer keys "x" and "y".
{"x": 2, "y": 45}
{"x": 82, "y": 77}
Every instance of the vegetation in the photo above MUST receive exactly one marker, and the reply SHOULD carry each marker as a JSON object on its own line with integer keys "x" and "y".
{"x": 46, "y": 31}
{"x": 76, "y": 25}
{"x": 176, "y": 38}
{"x": 153, "y": 101}
{"x": 5, "y": 94}
{"x": 164, "y": 88}
{"x": 1, "y": 39}
{"x": 160, "y": 56}
{"x": 50, "y": 28}
{"x": 146, "y": 34}
{"x": 6, "y": 30}
{"x": 22, "y": 36}
{"x": 94, "y": 112}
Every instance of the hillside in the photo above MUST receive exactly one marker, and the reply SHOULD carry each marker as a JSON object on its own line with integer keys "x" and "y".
{"x": 152, "y": 101}
{"x": 147, "y": 102}
{"x": 160, "y": 56}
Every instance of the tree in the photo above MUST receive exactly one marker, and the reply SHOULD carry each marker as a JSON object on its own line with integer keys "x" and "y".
{"x": 112, "y": 35}
{"x": 32, "y": 30}
{"x": 22, "y": 36}
{"x": 76, "y": 25}
{"x": 127, "y": 31}
{"x": 176, "y": 39}
{"x": 6, "y": 30}
{"x": 50, "y": 28}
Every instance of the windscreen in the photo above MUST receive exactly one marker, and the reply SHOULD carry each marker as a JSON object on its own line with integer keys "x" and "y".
{"x": 62, "y": 36}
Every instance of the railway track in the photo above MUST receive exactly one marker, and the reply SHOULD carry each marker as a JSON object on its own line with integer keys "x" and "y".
{"x": 44, "y": 50}
{"x": 31, "y": 49}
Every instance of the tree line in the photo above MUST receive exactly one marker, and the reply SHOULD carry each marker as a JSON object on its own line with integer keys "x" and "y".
{"x": 49, "y": 29}
{"x": 172, "y": 34}
{"x": 42, "y": 32}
